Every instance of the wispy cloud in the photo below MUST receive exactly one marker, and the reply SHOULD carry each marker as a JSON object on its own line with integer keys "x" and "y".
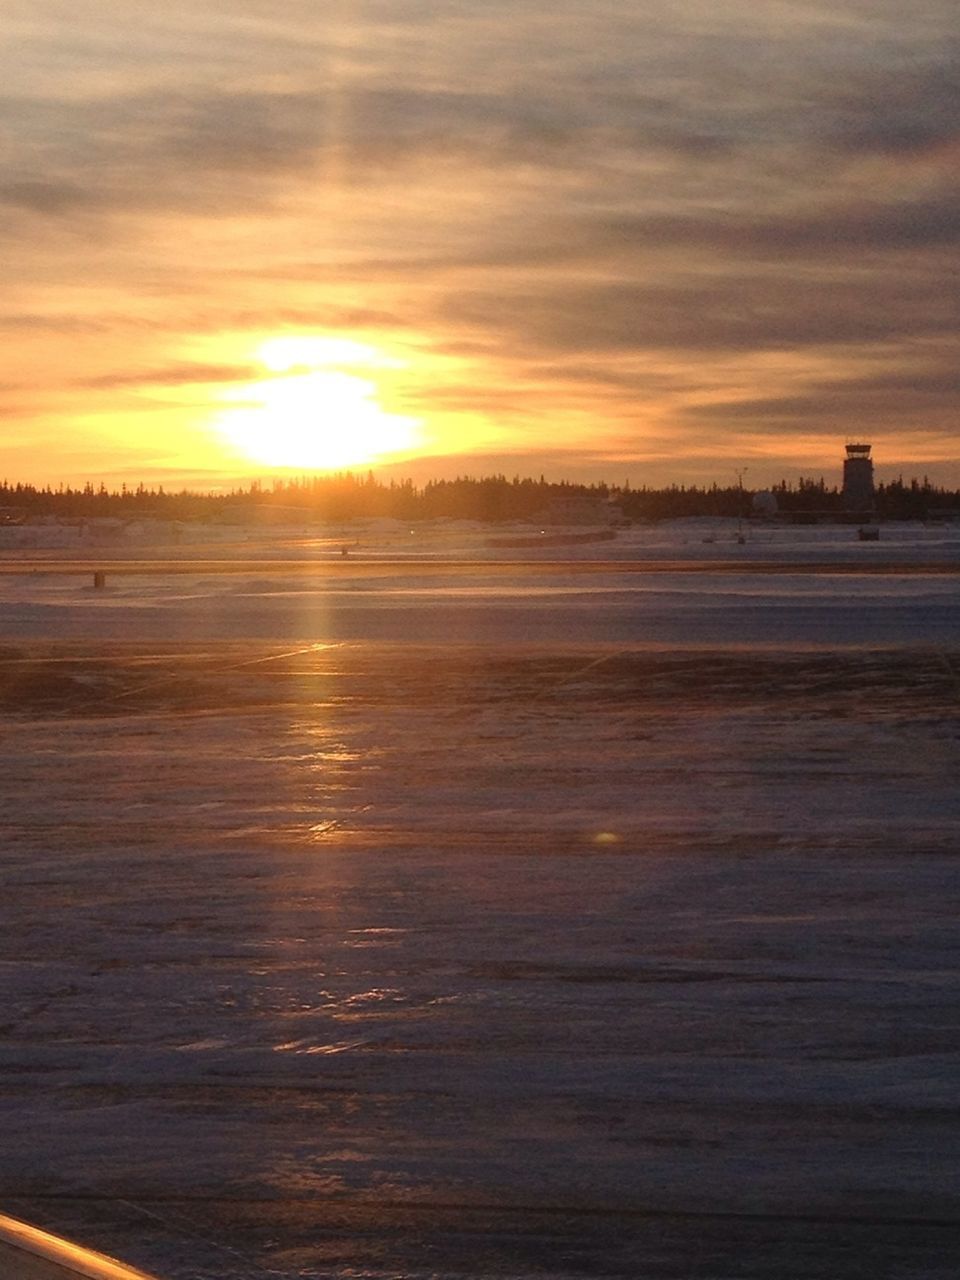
{"x": 179, "y": 375}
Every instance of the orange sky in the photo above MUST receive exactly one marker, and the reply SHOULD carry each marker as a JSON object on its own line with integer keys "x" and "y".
{"x": 645, "y": 241}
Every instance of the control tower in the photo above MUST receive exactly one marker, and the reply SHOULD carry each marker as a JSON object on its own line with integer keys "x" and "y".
{"x": 858, "y": 479}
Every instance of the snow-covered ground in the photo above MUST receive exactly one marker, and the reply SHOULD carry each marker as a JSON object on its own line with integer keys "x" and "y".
{"x": 528, "y": 922}
{"x": 698, "y": 538}
{"x": 689, "y": 582}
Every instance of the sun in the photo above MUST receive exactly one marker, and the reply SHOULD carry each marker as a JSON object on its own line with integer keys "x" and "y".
{"x": 319, "y": 406}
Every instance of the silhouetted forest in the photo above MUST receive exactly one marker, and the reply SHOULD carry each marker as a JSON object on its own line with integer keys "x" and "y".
{"x": 347, "y": 496}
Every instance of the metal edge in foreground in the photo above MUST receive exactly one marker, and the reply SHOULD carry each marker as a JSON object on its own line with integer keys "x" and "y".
{"x": 27, "y": 1253}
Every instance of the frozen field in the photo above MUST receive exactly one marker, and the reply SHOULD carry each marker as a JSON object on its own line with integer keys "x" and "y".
{"x": 387, "y": 920}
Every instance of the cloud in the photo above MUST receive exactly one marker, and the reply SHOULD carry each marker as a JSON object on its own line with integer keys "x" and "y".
{"x": 878, "y": 400}
{"x": 150, "y": 153}
{"x": 45, "y": 196}
{"x": 51, "y": 323}
{"x": 822, "y": 234}
{"x": 909, "y": 108}
{"x": 177, "y": 375}
{"x": 846, "y": 407}
{"x": 745, "y": 311}
{"x": 654, "y": 113}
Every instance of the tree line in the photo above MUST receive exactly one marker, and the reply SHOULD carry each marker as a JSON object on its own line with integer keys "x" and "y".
{"x": 347, "y": 496}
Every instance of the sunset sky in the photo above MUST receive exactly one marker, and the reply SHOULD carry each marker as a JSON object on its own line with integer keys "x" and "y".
{"x": 616, "y": 239}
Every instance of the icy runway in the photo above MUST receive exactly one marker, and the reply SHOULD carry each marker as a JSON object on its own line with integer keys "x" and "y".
{"x": 550, "y": 952}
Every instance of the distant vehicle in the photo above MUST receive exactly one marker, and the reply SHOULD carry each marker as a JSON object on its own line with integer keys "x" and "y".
{"x": 26, "y": 1253}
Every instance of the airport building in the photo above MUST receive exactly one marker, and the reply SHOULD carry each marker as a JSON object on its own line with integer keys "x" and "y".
{"x": 858, "y": 493}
